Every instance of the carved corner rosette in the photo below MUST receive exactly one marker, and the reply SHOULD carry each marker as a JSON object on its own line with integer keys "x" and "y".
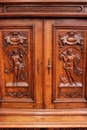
{"x": 71, "y": 39}
{"x": 15, "y": 38}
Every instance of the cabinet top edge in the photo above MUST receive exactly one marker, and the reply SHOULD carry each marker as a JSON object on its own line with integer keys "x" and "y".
{"x": 44, "y": 1}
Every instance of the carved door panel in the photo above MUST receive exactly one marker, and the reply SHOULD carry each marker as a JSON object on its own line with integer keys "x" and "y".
{"x": 20, "y": 63}
{"x": 66, "y": 56}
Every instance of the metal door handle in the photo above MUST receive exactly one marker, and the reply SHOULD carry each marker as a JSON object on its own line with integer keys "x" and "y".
{"x": 38, "y": 66}
{"x": 49, "y": 66}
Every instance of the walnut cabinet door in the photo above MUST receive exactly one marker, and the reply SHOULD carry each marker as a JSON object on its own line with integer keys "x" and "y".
{"x": 20, "y": 59}
{"x": 66, "y": 63}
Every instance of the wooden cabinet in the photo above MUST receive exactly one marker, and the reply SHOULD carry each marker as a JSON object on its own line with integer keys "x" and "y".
{"x": 30, "y": 50}
{"x": 43, "y": 63}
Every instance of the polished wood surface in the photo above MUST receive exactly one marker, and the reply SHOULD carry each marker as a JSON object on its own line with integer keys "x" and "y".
{"x": 43, "y": 129}
{"x": 43, "y": 64}
{"x": 64, "y": 47}
{"x": 21, "y": 80}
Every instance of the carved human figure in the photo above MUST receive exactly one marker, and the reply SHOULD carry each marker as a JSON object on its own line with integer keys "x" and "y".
{"x": 18, "y": 65}
{"x": 70, "y": 60}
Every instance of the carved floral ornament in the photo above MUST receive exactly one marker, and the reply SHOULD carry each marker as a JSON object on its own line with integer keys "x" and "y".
{"x": 71, "y": 38}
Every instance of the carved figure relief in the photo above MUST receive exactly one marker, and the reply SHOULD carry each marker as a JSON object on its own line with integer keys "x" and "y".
{"x": 16, "y": 66}
{"x": 15, "y": 50}
{"x": 69, "y": 54}
{"x": 15, "y": 38}
{"x": 71, "y": 38}
{"x": 71, "y": 61}
{"x": 63, "y": 79}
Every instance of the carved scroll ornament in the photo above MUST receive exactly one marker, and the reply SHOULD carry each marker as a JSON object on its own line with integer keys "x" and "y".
{"x": 17, "y": 94}
{"x": 71, "y": 94}
{"x": 15, "y": 38}
{"x": 71, "y": 38}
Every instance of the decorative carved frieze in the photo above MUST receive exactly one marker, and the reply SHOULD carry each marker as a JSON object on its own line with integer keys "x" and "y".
{"x": 41, "y": 8}
{"x": 55, "y": 8}
{"x": 35, "y": 10}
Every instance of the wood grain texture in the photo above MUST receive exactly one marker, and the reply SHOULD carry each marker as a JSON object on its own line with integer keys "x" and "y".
{"x": 58, "y": 10}
{"x": 46, "y": 1}
{"x": 46, "y": 39}
{"x": 20, "y": 53}
{"x": 43, "y": 128}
